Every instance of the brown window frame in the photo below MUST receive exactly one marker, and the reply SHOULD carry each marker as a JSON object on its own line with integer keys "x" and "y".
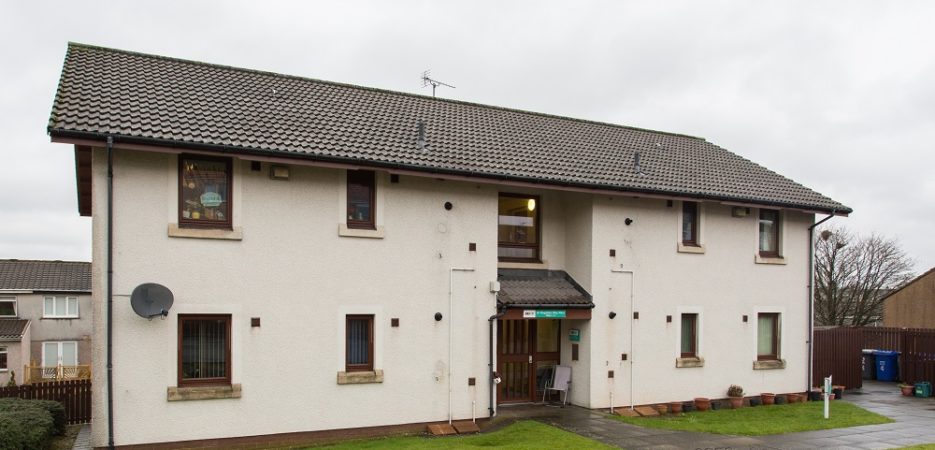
{"x": 228, "y": 222}
{"x": 776, "y": 240}
{"x": 538, "y": 222}
{"x": 694, "y": 348}
{"x": 693, "y": 239}
{"x": 4, "y": 355}
{"x": 217, "y": 381}
{"x": 366, "y": 178}
{"x": 774, "y": 355}
{"x": 348, "y": 367}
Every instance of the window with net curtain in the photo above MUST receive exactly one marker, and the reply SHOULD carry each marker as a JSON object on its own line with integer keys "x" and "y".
{"x": 689, "y": 347}
{"x": 518, "y": 228}
{"x": 767, "y": 344}
{"x": 770, "y": 223}
{"x": 690, "y": 223}
{"x": 204, "y": 350}
{"x": 359, "y": 352}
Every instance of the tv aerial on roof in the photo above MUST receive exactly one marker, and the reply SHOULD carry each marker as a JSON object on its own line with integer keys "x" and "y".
{"x": 151, "y": 300}
{"x": 435, "y": 83}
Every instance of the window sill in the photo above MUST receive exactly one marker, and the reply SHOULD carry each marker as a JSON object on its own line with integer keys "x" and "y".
{"x": 60, "y": 318}
{"x": 776, "y": 260}
{"x": 180, "y": 394}
{"x": 685, "y": 248}
{"x": 343, "y": 230}
{"x": 689, "y": 362}
{"x": 205, "y": 233}
{"x": 523, "y": 265}
{"x": 769, "y": 364}
{"x": 374, "y": 376}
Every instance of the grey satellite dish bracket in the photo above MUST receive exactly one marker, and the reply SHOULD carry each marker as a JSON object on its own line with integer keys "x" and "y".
{"x": 151, "y": 300}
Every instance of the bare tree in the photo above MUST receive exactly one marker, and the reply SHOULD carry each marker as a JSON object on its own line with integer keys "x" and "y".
{"x": 854, "y": 273}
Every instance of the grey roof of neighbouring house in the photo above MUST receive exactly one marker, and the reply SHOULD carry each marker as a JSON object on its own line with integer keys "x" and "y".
{"x": 12, "y": 329}
{"x": 530, "y": 287}
{"x": 63, "y": 276}
{"x": 153, "y": 100}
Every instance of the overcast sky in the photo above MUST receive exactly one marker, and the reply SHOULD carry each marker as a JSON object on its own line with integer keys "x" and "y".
{"x": 838, "y": 96}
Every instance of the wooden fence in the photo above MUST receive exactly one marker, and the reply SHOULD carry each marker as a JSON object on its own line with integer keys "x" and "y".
{"x": 837, "y": 352}
{"x": 74, "y": 395}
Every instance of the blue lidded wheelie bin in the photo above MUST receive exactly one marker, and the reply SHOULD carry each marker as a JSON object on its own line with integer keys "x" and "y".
{"x": 887, "y": 365}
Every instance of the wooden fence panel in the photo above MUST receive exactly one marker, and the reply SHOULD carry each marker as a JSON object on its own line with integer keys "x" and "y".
{"x": 74, "y": 395}
{"x": 837, "y": 351}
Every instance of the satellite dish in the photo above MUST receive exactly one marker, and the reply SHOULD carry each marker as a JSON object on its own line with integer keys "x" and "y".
{"x": 150, "y": 300}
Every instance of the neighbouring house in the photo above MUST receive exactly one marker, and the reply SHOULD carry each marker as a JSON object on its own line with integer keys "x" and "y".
{"x": 45, "y": 306}
{"x": 912, "y": 305}
{"x": 342, "y": 257}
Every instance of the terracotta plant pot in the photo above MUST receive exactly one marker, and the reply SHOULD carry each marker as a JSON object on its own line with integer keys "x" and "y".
{"x": 768, "y": 398}
{"x": 702, "y": 404}
{"x": 907, "y": 389}
{"x": 663, "y": 408}
{"x": 793, "y": 398}
{"x": 675, "y": 407}
{"x": 735, "y": 402}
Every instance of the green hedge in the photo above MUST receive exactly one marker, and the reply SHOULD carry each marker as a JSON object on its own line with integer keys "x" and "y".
{"x": 29, "y": 424}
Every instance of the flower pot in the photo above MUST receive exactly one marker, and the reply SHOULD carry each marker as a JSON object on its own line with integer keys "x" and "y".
{"x": 907, "y": 389}
{"x": 768, "y": 398}
{"x": 715, "y": 405}
{"x": 781, "y": 399}
{"x": 814, "y": 395}
{"x": 755, "y": 401}
{"x": 675, "y": 407}
{"x": 702, "y": 404}
{"x": 735, "y": 402}
{"x": 838, "y": 392}
{"x": 793, "y": 398}
{"x": 663, "y": 408}
{"x": 688, "y": 407}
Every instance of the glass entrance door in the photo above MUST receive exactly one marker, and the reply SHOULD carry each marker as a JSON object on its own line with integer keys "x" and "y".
{"x": 527, "y": 352}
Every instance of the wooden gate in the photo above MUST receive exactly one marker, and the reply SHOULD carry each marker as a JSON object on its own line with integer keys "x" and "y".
{"x": 74, "y": 395}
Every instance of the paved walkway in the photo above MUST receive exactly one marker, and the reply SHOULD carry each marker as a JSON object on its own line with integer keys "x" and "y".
{"x": 83, "y": 440}
{"x": 914, "y": 424}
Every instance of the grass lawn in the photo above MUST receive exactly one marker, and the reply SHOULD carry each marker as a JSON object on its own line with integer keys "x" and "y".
{"x": 525, "y": 434}
{"x": 919, "y": 447}
{"x": 762, "y": 420}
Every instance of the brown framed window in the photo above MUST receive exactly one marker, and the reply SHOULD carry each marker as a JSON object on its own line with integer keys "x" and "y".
{"x": 204, "y": 352}
{"x": 361, "y": 206}
{"x": 518, "y": 228}
{"x": 359, "y": 348}
{"x": 3, "y": 361}
{"x": 690, "y": 223}
{"x": 767, "y": 336}
{"x": 770, "y": 227}
{"x": 204, "y": 191}
{"x": 689, "y": 344}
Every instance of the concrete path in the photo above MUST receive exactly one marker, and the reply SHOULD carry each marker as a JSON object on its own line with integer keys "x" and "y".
{"x": 83, "y": 440}
{"x": 915, "y": 424}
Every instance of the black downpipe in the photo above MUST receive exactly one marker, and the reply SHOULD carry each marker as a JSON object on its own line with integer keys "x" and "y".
{"x": 500, "y": 312}
{"x": 811, "y": 298}
{"x": 110, "y": 291}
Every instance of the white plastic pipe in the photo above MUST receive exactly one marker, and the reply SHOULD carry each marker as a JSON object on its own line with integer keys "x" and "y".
{"x": 451, "y": 272}
{"x": 632, "y": 308}
{"x": 611, "y": 400}
{"x": 474, "y": 411}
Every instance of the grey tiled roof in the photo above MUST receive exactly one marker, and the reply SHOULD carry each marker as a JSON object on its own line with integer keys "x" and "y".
{"x": 12, "y": 329}
{"x": 67, "y": 276}
{"x": 519, "y": 287}
{"x": 149, "y": 99}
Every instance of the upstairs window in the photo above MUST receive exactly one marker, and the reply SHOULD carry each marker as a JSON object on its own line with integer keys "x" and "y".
{"x": 7, "y": 306}
{"x": 518, "y": 228}
{"x": 690, "y": 223}
{"x": 770, "y": 227}
{"x": 204, "y": 350}
{"x": 767, "y": 336}
{"x": 204, "y": 192}
{"x": 361, "y": 207}
{"x": 689, "y": 345}
{"x": 60, "y": 307}
{"x": 359, "y": 343}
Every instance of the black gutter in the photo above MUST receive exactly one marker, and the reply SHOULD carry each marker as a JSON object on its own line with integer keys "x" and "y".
{"x": 546, "y": 306}
{"x": 493, "y": 373}
{"x": 110, "y": 292}
{"x": 811, "y": 297}
{"x": 387, "y": 165}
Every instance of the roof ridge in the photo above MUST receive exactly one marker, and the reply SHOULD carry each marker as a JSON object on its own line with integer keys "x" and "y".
{"x": 72, "y": 44}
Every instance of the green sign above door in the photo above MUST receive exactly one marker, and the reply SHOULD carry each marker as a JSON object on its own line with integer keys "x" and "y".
{"x": 543, "y": 313}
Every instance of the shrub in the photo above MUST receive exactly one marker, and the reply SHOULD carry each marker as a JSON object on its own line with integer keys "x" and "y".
{"x": 58, "y": 414}
{"x": 28, "y": 424}
{"x": 735, "y": 391}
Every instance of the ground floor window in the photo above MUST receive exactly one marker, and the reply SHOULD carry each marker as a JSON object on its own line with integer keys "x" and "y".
{"x": 3, "y": 361}
{"x": 767, "y": 343}
{"x": 204, "y": 350}
{"x": 689, "y": 344}
{"x": 359, "y": 349}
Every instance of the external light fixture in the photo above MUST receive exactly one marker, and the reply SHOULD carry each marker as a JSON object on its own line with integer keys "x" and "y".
{"x": 531, "y": 204}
